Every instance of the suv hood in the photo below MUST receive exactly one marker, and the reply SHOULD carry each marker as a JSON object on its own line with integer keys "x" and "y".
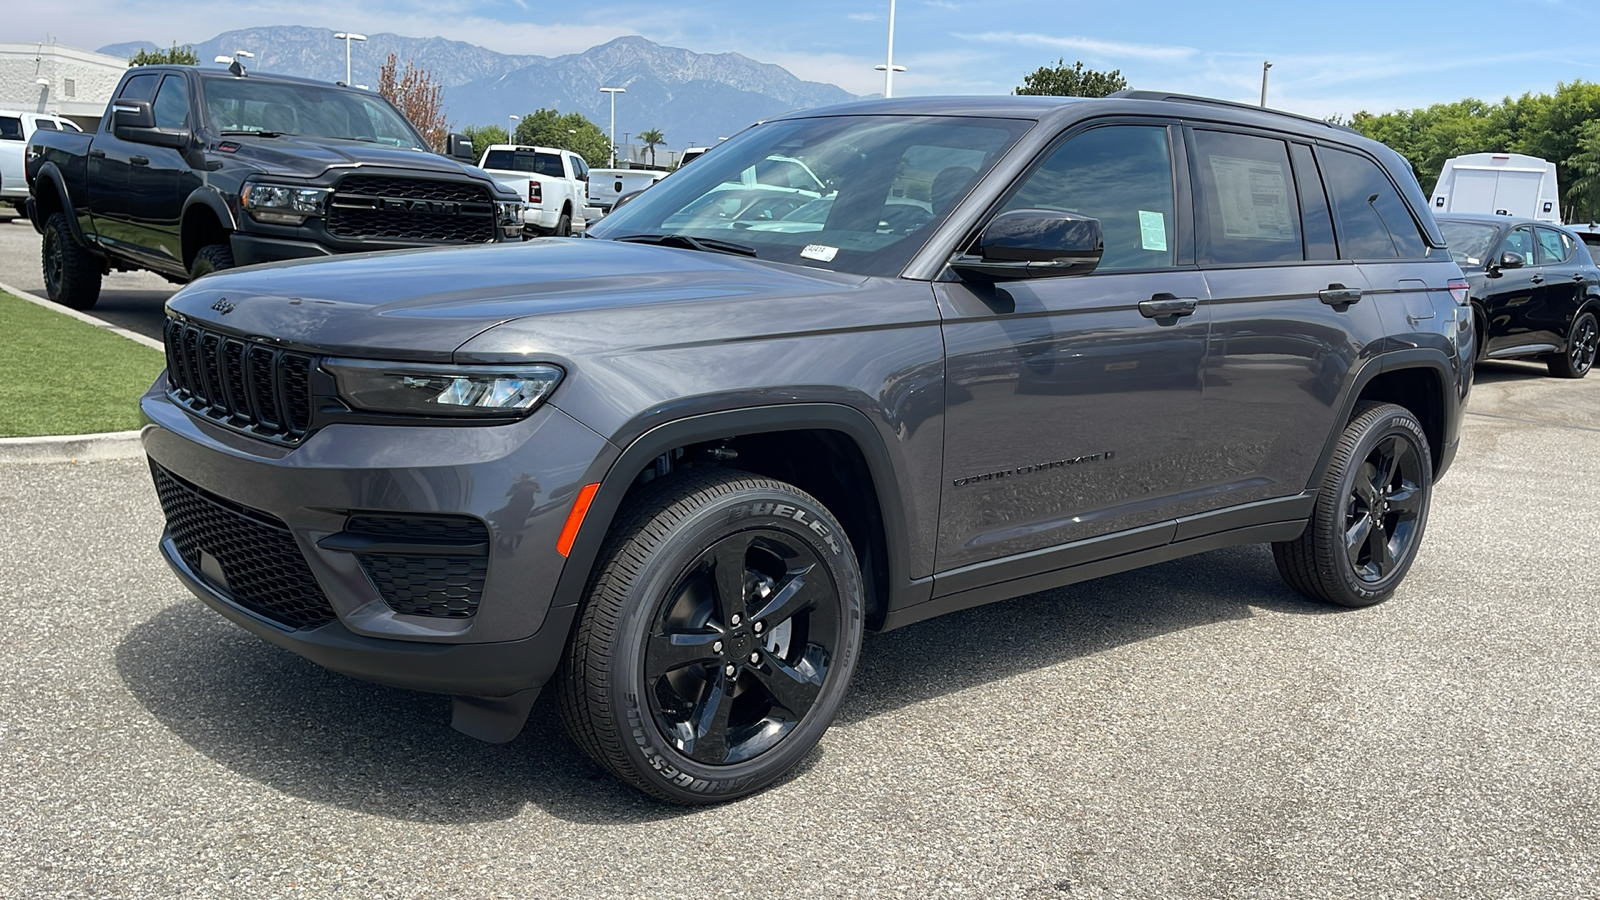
{"x": 424, "y": 304}
{"x": 311, "y": 157}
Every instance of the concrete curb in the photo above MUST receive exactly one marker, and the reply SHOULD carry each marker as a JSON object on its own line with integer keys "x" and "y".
{"x": 74, "y": 447}
{"x": 71, "y": 447}
{"x": 84, "y": 317}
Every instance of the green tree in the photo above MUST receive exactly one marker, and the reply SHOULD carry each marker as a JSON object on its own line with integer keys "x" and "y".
{"x": 1582, "y": 171}
{"x": 652, "y": 139}
{"x": 1071, "y": 81}
{"x": 176, "y": 56}
{"x": 484, "y": 135}
{"x": 549, "y": 128}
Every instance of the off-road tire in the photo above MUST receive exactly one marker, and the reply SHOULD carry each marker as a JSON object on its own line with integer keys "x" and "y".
{"x": 1582, "y": 340}
{"x": 1320, "y": 563}
{"x": 71, "y": 273}
{"x": 211, "y": 258}
{"x": 659, "y": 542}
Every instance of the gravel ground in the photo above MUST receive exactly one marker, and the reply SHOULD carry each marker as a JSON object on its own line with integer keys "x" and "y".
{"x": 1190, "y": 730}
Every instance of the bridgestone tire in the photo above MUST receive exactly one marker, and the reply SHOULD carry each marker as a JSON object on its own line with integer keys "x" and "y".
{"x": 1581, "y": 345}
{"x": 71, "y": 273}
{"x": 1320, "y": 563}
{"x": 211, "y": 258}
{"x": 655, "y": 557}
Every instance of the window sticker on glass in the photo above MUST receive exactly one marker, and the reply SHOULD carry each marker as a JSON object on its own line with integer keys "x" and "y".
{"x": 819, "y": 252}
{"x": 1254, "y": 196}
{"x": 1152, "y": 230}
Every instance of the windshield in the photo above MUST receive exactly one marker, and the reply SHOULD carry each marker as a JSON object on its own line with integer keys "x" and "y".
{"x": 245, "y": 105}
{"x": 1469, "y": 242}
{"x": 856, "y": 194}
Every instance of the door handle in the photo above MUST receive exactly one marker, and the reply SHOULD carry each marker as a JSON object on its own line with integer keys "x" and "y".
{"x": 1339, "y": 295}
{"x": 139, "y": 160}
{"x": 97, "y": 154}
{"x": 1577, "y": 276}
{"x": 1162, "y": 306}
{"x": 1538, "y": 279}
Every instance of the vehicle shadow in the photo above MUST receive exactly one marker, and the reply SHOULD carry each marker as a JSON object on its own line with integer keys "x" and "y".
{"x": 1498, "y": 371}
{"x": 279, "y": 720}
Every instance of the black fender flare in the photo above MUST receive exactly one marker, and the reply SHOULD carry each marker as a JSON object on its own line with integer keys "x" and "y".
{"x": 1393, "y": 361}
{"x": 50, "y": 177}
{"x": 213, "y": 201}
{"x": 616, "y": 477}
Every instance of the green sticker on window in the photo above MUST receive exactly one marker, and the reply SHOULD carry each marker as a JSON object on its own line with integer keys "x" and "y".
{"x": 1152, "y": 230}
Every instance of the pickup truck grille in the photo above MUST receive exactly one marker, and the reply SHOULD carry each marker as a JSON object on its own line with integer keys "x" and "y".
{"x": 372, "y": 207}
{"x": 243, "y": 384}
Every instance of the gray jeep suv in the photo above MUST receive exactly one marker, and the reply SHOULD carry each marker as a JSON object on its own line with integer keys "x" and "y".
{"x": 678, "y": 467}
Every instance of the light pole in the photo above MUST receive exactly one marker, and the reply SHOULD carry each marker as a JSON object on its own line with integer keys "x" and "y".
{"x": 511, "y": 133}
{"x": 236, "y": 59}
{"x": 612, "y": 140}
{"x": 1264, "y": 67}
{"x": 347, "y": 37}
{"x": 889, "y": 68}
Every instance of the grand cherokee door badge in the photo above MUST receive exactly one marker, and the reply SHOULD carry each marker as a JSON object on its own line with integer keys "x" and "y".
{"x": 1037, "y": 468}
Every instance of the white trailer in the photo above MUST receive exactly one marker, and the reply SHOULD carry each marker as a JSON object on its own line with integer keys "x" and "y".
{"x": 1502, "y": 184}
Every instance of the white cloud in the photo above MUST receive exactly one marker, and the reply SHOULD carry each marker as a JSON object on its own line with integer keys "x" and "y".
{"x": 1105, "y": 49}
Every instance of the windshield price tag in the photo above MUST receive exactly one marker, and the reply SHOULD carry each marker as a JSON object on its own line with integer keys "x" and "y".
{"x": 819, "y": 252}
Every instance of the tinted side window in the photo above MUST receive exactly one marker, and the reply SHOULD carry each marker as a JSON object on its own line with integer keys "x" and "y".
{"x": 45, "y": 125}
{"x": 172, "y": 103}
{"x": 1315, "y": 216}
{"x": 10, "y": 128}
{"x": 1121, "y": 175}
{"x": 1553, "y": 247}
{"x": 1374, "y": 223}
{"x": 1520, "y": 242}
{"x": 1249, "y": 212}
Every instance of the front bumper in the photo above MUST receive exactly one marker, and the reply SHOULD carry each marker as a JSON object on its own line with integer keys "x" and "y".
{"x": 518, "y": 479}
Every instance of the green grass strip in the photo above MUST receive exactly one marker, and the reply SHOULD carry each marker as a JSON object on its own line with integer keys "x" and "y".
{"x": 62, "y": 376}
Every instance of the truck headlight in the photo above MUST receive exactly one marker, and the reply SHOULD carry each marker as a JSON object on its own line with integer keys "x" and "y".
{"x": 508, "y": 212}
{"x": 439, "y": 390}
{"x": 281, "y": 204}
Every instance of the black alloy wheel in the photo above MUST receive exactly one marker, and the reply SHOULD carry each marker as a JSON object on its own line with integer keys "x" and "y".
{"x": 71, "y": 273}
{"x": 1370, "y": 513}
{"x": 717, "y": 638}
{"x": 741, "y": 647}
{"x": 1582, "y": 342}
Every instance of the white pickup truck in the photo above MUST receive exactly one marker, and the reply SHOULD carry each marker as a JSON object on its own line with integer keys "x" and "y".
{"x": 606, "y": 185}
{"x": 555, "y": 183}
{"x": 15, "y": 129}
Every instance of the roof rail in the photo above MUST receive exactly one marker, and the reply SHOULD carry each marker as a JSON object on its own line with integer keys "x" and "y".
{"x": 1230, "y": 104}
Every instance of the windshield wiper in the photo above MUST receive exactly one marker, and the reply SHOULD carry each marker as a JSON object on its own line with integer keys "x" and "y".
{"x": 247, "y": 131}
{"x": 712, "y": 245}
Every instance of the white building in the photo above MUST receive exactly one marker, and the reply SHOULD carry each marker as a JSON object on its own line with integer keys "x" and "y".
{"x": 62, "y": 81}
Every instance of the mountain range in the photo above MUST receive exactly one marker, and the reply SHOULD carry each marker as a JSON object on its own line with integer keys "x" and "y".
{"x": 693, "y": 98}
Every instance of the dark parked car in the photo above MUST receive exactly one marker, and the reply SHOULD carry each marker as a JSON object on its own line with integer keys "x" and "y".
{"x": 197, "y": 170}
{"x": 680, "y": 470}
{"x": 1535, "y": 290}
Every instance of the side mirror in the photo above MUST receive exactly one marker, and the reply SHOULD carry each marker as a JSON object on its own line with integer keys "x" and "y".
{"x": 135, "y": 121}
{"x": 1034, "y": 243}
{"x": 458, "y": 146}
{"x": 1510, "y": 260}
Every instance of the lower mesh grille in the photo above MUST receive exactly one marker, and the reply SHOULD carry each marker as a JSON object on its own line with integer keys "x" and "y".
{"x": 257, "y": 556}
{"x": 434, "y": 584}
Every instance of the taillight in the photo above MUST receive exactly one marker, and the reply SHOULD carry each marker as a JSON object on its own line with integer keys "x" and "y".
{"x": 534, "y": 192}
{"x": 1460, "y": 290}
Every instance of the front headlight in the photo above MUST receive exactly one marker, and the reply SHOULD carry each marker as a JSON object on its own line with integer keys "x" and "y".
{"x": 508, "y": 212}
{"x": 281, "y": 204}
{"x": 435, "y": 390}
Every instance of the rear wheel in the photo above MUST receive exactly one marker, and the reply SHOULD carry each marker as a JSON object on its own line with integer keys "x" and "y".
{"x": 564, "y": 225}
{"x": 717, "y": 639}
{"x": 71, "y": 273}
{"x": 1582, "y": 342}
{"x": 1370, "y": 513}
{"x": 211, "y": 258}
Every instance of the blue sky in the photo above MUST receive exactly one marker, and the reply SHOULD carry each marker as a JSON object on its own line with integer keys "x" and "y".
{"x": 1327, "y": 58}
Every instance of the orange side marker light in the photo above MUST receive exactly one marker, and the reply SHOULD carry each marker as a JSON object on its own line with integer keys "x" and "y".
{"x": 580, "y": 508}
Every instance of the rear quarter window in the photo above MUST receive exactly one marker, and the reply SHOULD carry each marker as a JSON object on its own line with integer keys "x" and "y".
{"x": 10, "y": 128}
{"x": 1374, "y": 223}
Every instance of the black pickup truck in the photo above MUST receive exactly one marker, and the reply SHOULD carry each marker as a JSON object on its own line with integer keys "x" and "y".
{"x": 196, "y": 170}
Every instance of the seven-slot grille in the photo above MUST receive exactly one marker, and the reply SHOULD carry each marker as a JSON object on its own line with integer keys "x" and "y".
{"x": 366, "y": 207}
{"x": 261, "y": 566}
{"x": 243, "y": 384}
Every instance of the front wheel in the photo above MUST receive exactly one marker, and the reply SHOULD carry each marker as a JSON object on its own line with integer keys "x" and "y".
{"x": 718, "y": 638}
{"x": 1582, "y": 342}
{"x": 1370, "y": 513}
{"x": 211, "y": 258}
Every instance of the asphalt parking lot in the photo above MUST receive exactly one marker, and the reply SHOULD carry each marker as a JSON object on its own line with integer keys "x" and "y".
{"x": 1189, "y": 730}
{"x": 129, "y": 299}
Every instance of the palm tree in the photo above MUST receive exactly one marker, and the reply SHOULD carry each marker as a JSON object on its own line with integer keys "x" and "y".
{"x": 651, "y": 139}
